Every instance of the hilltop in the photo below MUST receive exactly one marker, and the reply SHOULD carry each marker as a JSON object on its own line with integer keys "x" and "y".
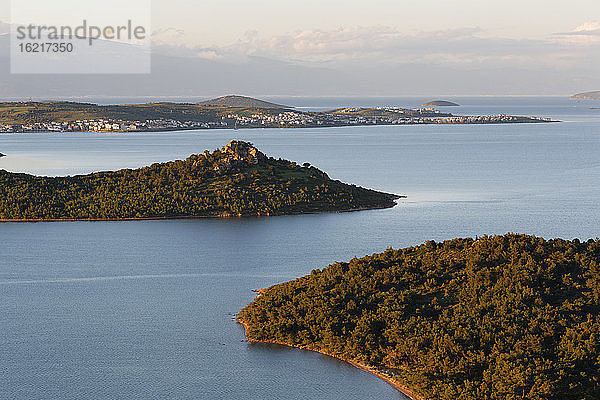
{"x": 236, "y": 180}
{"x": 240, "y": 101}
{"x": 587, "y": 96}
{"x": 503, "y": 317}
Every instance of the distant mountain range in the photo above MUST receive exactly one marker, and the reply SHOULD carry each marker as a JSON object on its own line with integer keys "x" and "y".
{"x": 240, "y": 101}
{"x": 587, "y": 96}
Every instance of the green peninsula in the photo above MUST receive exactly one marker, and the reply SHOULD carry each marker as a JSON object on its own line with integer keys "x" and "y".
{"x": 503, "y": 317}
{"x": 237, "y": 180}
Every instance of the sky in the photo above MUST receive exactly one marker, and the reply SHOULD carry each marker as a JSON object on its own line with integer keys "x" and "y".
{"x": 222, "y": 22}
{"x": 376, "y": 47}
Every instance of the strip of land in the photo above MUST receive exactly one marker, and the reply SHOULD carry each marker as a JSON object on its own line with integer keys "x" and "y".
{"x": 229, "y": 112}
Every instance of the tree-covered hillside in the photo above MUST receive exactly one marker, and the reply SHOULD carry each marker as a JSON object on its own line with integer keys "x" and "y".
{"x": 237, "y": 180}
{"x": 504, "y": 317}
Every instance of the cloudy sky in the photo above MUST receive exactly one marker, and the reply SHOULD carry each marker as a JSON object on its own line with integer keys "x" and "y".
{"x": 379, "y": 47}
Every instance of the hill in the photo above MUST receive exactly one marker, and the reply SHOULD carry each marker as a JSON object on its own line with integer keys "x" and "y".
{"x": 440, "y": 103}
{"x": 503, "y": 317}
{"x": 240, "y": 101}
{"x": 63, "y": 111}
{"x": 587, "y": 96}
{"x": 17, "y": 113}
{"x": 237, "y": 180}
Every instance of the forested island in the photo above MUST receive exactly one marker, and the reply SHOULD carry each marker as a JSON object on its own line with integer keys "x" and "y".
{"x": 503, "y": 317}
{"x": 237, "y": 180}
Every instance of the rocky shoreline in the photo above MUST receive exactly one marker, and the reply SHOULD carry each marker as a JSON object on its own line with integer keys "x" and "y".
{"x": 380, "y": 374}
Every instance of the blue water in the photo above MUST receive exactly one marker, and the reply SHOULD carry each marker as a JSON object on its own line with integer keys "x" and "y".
{"x": 144, "y": 309}
{"x": 549, "y": 106}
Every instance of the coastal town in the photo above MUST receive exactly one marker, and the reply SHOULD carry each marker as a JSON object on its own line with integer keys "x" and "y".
{"x": 268, "y": 119}
{"x": 109, "y": 125}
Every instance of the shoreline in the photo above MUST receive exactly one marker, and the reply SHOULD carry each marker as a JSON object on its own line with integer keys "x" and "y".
{"x": 386, "y": 378}
{"x": 521, "y": 120}
{"x": 173, "y": 129}
{"x": 169, "y": 130}
{"x": 219, "y": 216}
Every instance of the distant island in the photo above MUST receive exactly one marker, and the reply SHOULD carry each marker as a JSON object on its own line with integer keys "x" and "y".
{"x": 237, "y": 180}
{"x": 228, "y": 112}
{"x": 502, "y": 317}
{"x": 441, "y": 103}
{"x": 587, "y": 96}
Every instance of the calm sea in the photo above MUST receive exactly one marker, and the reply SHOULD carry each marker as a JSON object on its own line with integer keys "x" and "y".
{"x": 136, "y": 310}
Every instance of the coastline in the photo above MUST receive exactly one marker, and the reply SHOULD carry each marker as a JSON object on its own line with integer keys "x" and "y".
{"x": 218, "y": 216}
{"x": 524, "y": 120}
{"x": 388, "y": 379}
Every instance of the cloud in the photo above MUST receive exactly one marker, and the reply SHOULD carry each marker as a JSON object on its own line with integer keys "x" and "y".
{"x": 357, "y": 60}
{"x": 587, "y": 33}
{"x": 343, "y": 43}
{"x": 384, "y": 46}
{"x": 587, "y": 28}
{"x": 209, "y": 54}
{"x": 168, "y": 37}
{"x": 185, "y": 52}
{"x": 163, "y": 35}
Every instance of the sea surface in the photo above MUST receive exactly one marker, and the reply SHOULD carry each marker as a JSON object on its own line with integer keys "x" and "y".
{"x": 144, "y": 310}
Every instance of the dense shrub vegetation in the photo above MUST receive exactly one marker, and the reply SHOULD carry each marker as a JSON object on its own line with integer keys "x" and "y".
{"x": 236, "y": 180}
{"x": 505, "y": 317}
